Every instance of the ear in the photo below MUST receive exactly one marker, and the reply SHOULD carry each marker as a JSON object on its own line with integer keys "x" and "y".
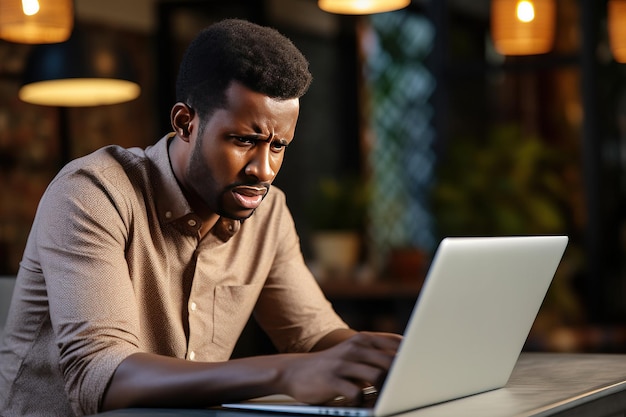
{"x": 181, "y": 118}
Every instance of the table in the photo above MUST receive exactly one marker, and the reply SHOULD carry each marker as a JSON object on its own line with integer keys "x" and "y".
{"x": 542, "y": 384}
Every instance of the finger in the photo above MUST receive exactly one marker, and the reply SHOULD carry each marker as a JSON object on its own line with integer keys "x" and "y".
{"x": 378, "y": 358}
{"x": 366, "y": 354}
{"x": 380, "y": 341}
{"x": 363, "y": 373}
{"x": 350, "y": 394}
{"x": 383, "y": 341}
{"x": 345, "y": 392}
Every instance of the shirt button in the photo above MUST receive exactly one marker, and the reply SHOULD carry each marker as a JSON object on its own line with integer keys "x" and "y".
{"x": 192, "y": 355}
{"x": 168, "y": 214}
{"x": 192, "y": 222}
{"x": 193, "y": 306}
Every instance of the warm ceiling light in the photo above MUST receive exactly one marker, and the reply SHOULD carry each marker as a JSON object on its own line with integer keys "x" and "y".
{"x": 361, "y": 6}
{"x": 79, "y": 92}
{"x": 76, "y": 73}
{"x": 523, "y": 27}
{"x": 616, "y": 14}
{"x": 36, "y": 21}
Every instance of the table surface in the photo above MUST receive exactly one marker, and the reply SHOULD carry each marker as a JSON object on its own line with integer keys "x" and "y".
{"x": 542, "y": 384}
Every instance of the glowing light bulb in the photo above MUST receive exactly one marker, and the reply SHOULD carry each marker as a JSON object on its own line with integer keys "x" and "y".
{"x": 525, "y": 11}
{"x": 30, "y": 7}
{"x": 362, "y": 4}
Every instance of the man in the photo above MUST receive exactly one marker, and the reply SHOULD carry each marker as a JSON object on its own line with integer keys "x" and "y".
{"x": 143, "y": 266}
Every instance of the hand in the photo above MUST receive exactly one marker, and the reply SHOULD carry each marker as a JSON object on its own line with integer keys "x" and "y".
{"x": 342, "y": 370}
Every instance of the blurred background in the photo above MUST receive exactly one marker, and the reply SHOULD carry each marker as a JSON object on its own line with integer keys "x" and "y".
{"x": 421, "y": 123}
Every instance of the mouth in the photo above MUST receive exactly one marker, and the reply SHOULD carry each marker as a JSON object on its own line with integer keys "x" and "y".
{"x": 249, "y": 197}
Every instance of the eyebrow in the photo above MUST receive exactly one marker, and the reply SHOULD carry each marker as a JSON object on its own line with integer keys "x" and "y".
{"x": 261, "y": 138}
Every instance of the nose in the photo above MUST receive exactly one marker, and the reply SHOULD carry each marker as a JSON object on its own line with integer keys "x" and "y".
{"x": 262, "y": 165}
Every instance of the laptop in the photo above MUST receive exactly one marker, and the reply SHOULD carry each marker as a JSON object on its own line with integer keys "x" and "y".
{"x": 468, "y": 327}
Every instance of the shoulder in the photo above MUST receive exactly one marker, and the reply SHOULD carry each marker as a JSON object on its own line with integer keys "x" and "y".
{"x": 111, "y": 164}
{"x": 105, "y": 159}
{"x": 276, "y": 195}
{"x": 274, "y": 204}
{"x": 272, "y": 216}
{"x": 109, "y": 177}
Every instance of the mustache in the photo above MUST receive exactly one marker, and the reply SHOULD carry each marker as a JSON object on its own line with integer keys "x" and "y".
{"x": 265, "y": 185}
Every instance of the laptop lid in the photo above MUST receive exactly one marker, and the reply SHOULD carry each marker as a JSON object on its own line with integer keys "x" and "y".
{"x": 478, "y": 302}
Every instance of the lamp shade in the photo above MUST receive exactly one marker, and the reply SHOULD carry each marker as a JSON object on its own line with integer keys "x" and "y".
{"x": 36, "y": 21}
{"x": 616, "y": 15}
{"x": 361, "y": 6}
{"x": 75, "y": 73}
{"x": 523, "y": 27}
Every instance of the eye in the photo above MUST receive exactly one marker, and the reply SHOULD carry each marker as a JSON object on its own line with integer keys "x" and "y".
{"x": 244, "y": 140}
{"x": 278, "y": 146}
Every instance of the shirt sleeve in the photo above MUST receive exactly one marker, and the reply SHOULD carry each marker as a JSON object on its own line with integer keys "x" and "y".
{"x": 81, "y": 233}
{"x": 292, "y": 308}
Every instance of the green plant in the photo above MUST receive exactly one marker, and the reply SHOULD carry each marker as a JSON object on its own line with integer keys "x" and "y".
{"x": 508, "y": 184}
{"x": 339, "y": 204}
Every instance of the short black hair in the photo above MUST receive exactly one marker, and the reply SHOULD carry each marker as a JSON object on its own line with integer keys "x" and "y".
{"x": 259, "y": 57}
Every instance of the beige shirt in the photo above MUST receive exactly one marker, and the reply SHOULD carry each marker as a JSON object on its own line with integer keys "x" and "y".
{"x": 114, "y": 266}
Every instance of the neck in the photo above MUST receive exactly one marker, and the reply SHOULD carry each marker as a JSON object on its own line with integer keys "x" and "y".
{"x": 177, "y": 156}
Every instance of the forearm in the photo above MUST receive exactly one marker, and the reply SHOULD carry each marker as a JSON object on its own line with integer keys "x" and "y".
{"x": 150, "y": 380}
{"x": 343, "y": 363}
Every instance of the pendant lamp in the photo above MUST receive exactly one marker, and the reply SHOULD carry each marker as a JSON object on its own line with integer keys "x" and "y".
{"x": 523, "y": 27}
{"x": 77, "y": 73}
{"x": 361, "y": 6}
{"x": 616, "y": 15}
{"x": 36, "y": 21}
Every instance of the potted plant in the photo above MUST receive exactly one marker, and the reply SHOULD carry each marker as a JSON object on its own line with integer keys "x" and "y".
{"x": 337, "y": 215}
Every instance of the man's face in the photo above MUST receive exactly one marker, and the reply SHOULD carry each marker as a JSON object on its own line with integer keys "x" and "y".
{"x": 240, "y": 150}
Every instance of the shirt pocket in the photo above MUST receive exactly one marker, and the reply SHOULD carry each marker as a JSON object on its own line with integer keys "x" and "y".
{"x": 233, "y": 306}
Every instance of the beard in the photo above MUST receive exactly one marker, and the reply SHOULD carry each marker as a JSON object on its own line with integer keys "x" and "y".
{"x": 217, "y": 198}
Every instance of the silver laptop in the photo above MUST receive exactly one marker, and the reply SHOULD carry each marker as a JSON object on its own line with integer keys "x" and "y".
{"x": 467, "y": 329}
